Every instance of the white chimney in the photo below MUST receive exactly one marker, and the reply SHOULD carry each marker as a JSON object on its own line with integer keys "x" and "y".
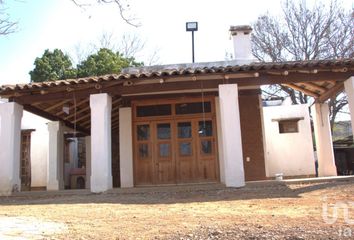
{"x": 241, "y": 36}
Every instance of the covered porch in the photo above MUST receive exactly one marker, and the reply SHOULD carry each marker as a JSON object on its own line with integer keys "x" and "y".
{"x": 101, "y": 109}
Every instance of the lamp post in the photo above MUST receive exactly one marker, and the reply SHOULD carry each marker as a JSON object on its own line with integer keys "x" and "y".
{"x": 191, "y": 27}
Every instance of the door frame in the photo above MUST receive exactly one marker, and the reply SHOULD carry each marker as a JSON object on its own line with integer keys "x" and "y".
{"x": 174, "y": 119}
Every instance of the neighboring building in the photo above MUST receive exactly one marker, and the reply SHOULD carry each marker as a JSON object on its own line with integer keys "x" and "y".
{"x": 286, "y": 129}
{"x": 344, "y": 155}
{"x": 34, "y": 153}
{"x": 172, "y": 124}
{"x": 341, "y": 130}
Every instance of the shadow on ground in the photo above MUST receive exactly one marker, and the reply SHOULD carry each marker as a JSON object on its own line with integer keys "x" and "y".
{"x": 173, "y": 194}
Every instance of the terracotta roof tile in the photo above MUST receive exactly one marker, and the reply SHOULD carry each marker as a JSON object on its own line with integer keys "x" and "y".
{"x": 186, "y": 69}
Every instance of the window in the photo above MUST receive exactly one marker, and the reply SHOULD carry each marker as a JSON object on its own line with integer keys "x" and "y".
{"x": 191, "y": 108}
{"x": 288, "y": 126}
{"x": 154, "y": 110}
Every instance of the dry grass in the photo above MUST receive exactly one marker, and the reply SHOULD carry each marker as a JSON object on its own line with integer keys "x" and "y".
{"x": 291, "y": 211}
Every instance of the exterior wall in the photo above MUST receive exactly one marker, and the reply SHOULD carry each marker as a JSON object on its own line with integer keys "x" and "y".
{"x": 126, "y": 148}
{"x": 39, "y": 147}
{"x": 252, "y": 135}
{"x": 288, "y": 153}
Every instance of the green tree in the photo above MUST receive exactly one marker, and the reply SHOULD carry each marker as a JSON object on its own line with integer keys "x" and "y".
{"x": 52, "y": 66}
{"x": 105, "y": 61}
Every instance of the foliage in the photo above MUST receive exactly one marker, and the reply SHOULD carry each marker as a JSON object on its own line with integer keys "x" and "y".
{"x": 105, "y": 61}
{"x": 301, "y": 33}
{"x": 52, "y": 66}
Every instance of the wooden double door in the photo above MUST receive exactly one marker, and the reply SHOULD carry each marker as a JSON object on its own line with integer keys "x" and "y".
{"x": 175, "y": 151}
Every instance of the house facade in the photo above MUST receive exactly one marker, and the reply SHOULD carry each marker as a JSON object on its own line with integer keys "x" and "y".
{"x": 171, "y": 124}
{"x": 287, "y": 126}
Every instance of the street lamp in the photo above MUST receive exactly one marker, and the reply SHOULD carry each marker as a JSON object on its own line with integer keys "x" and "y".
{"x": 191, "y": 27}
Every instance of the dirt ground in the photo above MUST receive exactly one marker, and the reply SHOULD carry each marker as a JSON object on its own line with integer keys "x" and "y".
{"x": 258, "y": 211}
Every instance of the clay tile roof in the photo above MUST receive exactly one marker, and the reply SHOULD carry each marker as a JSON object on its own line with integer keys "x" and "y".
{"x": 240, "y": 28}
{"x": 188, "y": 69}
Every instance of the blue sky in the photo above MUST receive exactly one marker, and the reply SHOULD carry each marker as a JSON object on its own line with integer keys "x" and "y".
{"x": 49, "y": 24}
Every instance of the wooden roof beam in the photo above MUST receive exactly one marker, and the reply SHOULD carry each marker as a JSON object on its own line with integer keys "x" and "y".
{"x": 305, "y": 91}
{"x": 330, "y": 93}
{"x": 56, "y": 105}
{"x": 315, "y": 86}
{"x": 84, "y": 116}
{"x": 51, "y": 117}
{"x": 77, "y": 112}
{"x": 73, "y": 106}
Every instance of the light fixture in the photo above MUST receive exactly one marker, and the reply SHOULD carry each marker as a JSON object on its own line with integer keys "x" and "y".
{"x": 191, "y": 27}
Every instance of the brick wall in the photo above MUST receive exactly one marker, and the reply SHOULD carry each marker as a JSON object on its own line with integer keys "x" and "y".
{"x": 252, "y": 136}
{"x": 115, "y": 158}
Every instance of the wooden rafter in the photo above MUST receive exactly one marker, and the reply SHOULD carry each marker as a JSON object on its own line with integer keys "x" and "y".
{"x": 315, "y": 86}
{"x": 56, "y": 105}
{"x": 84, "y": 116}
{"x": 51, "y": 117}
{"x": 73, "y": 106}
{"x": 305, "y": 91}
{"x": 331, "y": 92}
{"x": 77, "y": 113}
{"x": 115, "y": 124}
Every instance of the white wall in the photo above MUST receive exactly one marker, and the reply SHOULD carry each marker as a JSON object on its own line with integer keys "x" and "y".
{"x": 126, "y": 147}
{"x": 288, "y": 153}
{"x": 39, "y": 147}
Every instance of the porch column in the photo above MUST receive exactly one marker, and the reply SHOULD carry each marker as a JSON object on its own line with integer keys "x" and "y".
{"x": 323, "y": 137}
{"x": 101, "y": 154}
{"x": 349, "y": 89}
{"x": 126, "y": 147}
{"x": 55, "y": 164}
{"x": 231, "y": 135}
{"x": 88, "y": 161}
{"x": 10, "y": 142}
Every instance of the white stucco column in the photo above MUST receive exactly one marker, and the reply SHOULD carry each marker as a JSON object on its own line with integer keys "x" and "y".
{"x": 88, "y": 161}
{"x": 126, "y": 147}
{"x": 231, "y": 135}
{"x": 349, "y": 89}
{"x": 101, "y": 154}
{"x": 10, "y": 147}
{"x": 55, "y": 164}
{"x": 323, "y": 137}
{"x": 220, "y": 142}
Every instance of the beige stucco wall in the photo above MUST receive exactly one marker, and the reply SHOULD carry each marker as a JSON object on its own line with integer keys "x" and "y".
{"x": 288, "y": 153}
{"x": 39, "y": 147}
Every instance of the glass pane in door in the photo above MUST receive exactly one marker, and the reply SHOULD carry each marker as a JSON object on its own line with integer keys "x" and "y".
{"x": 184, "y": 129}
{"x": 143, "y": 150}
{"x": 205, "y": 128}
{"x": 206, "y": 147}
{"x": 143, "y": 132}
{"x": 163, "y": 131}
{"x": 185, "y": 149}
{"x": 164, "y": 149}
